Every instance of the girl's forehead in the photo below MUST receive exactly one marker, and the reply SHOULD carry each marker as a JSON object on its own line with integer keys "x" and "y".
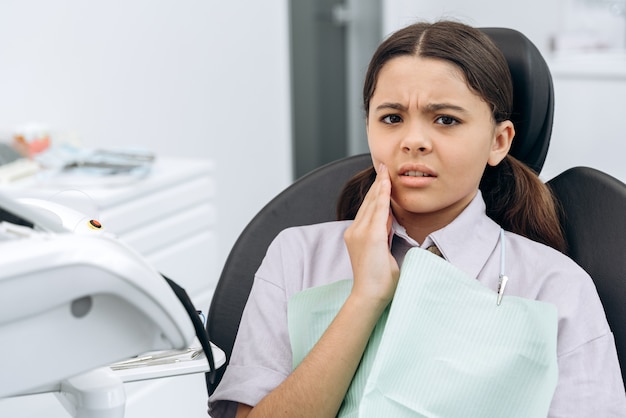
{"x": 416, "y": 66}
{"x": 410, "y": 74}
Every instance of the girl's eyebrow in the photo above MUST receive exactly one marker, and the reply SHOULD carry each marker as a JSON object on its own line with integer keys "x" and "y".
{"x": 431, "y": 107}
{"x": 437, "y": 107}
{"x": 389, "y": 105}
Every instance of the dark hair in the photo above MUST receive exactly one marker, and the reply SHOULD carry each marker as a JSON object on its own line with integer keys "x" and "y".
{"x": 514, "y": 195}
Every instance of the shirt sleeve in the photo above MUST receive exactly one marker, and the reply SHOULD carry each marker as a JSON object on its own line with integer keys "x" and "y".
{"x": 261, "y": 357}
{"x": 590, "y": 382}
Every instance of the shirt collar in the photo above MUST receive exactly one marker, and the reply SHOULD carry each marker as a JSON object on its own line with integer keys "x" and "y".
{"x": 467, "y": 242}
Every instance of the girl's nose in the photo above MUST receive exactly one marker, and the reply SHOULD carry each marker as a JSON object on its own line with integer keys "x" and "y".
{"x": 416, "y": 141}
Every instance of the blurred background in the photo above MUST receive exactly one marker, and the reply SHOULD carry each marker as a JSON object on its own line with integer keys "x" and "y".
{"x": 270, "y": 90}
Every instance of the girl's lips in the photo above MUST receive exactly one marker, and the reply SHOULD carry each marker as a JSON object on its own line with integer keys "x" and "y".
{"x": 416, "y": 181}
{"x": 416, "y": 170}
{"x": 416, "y": 175}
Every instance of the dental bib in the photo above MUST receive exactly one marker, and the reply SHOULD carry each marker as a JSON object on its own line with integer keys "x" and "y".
{"x": 443, "y": 348}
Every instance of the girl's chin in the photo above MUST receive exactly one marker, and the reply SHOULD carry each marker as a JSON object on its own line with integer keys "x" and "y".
{"x": 414, "y": 208}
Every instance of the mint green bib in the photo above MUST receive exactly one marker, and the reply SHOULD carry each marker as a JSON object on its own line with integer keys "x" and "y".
{"x": 443, "y": 348}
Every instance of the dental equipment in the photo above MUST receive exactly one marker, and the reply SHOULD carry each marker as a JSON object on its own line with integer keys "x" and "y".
{"x": 73, "y": 300}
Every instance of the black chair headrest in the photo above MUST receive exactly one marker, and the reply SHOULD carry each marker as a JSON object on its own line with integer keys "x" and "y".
{"x": 533, "y": 96}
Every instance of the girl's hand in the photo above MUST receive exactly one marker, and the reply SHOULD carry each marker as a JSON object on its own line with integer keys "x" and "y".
{"x": 375, "y": 270}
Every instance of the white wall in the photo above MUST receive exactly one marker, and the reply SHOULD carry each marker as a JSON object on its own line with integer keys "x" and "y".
{"x": 588, "y": 116}
{"x": 538, "y": 19}
{"x": 589, "y": 89}
{"x": 187, "y": 78}
{"x": 190, "y": 78}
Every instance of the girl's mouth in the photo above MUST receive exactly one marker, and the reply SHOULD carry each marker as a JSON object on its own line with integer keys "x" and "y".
{"x": 416, "y": 174}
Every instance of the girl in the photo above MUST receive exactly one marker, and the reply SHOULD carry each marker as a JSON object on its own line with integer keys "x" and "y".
{"x": 437, "y": 99}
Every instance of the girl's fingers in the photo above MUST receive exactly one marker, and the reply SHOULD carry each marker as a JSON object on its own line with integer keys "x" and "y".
{"x": 377, "y": 199}
{"x": 384, "y": 193}
{"x": 366, "y": 205}
{"x": 371, "y": 226}
{"x": 367, "y": 240}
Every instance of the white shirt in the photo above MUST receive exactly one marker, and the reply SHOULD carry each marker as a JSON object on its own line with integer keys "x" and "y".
{"x": 590, "y": 382}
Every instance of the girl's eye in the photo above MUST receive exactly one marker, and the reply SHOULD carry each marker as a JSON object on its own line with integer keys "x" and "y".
{"x": 391, "y": 119}
{"x": 446, "y": 120}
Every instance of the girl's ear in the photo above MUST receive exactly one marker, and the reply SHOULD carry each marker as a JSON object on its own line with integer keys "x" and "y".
{"x": 504, "y": 133}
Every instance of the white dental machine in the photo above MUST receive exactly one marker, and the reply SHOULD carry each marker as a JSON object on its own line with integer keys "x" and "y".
{"x": 74, "y": 300}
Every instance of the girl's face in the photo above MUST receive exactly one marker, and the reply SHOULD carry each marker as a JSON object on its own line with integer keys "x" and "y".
{"x": 435, "y": 136}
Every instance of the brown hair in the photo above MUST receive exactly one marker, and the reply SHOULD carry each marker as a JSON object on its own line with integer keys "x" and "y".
{"x": 514, "y": 195}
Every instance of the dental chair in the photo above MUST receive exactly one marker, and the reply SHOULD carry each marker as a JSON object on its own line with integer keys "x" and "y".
{"x": 593, "y": 205}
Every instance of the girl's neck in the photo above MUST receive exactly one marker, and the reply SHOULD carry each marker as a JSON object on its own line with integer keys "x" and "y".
{"x": 419, "y": 226}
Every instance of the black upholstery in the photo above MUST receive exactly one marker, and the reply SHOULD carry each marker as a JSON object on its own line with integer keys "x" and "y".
{"x": 533, "y": 96}
{"x": 594, "y": 209}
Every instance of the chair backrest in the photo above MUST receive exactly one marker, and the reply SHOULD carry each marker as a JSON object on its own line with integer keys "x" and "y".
{"x": 594, "y": 221}
{"x": 312, "y": 198}
{"x": 533, "y": 96}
